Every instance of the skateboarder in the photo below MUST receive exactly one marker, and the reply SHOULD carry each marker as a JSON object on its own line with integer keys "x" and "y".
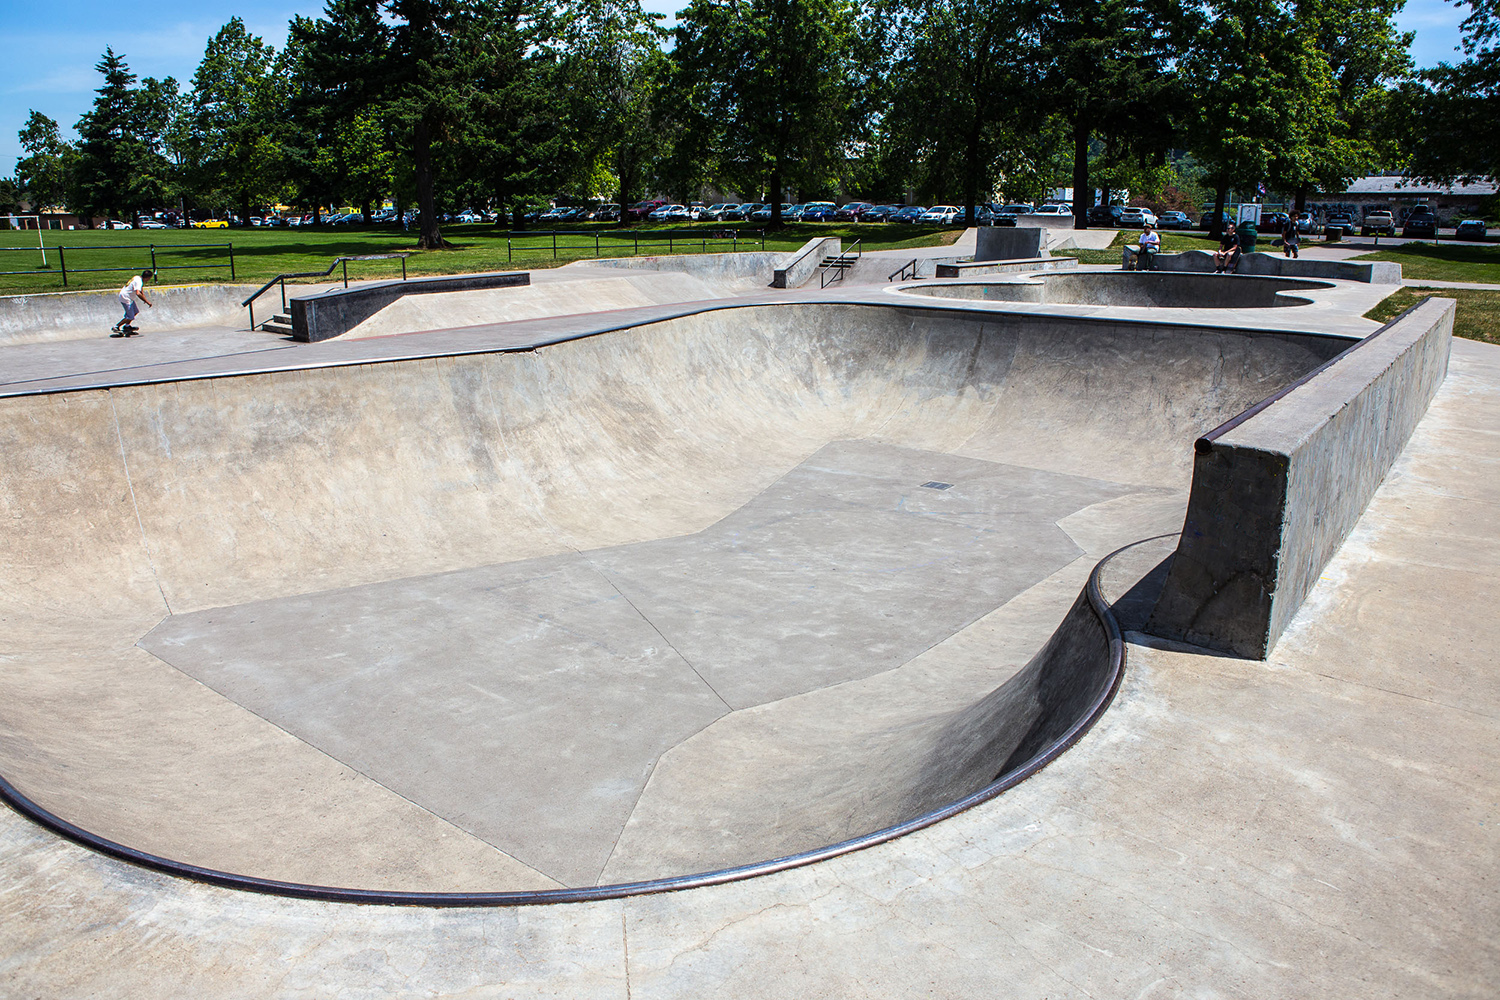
{"x": 134, "y": 289}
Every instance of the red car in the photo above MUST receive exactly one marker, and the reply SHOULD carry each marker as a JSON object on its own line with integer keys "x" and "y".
{"x": 642, "y": 209}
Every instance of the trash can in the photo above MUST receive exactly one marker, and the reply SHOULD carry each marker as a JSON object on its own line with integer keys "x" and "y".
{"x": 1248, "y": 236}
{"x": 1333, "y": 234}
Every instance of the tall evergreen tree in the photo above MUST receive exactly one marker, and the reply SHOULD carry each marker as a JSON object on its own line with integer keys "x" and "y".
{"x": 118, "y": 169}
{"x": 236, "y": 107}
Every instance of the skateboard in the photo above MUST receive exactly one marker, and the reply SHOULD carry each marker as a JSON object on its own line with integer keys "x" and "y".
{"x": 124, "y": 331}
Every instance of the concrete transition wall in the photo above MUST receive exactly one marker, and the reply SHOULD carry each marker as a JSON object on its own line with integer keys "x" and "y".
{"x": 796, "y": 268}
{"x": 740, "y": 268}
{"x": 1006, "y": 243}
{"x": 960, "y": 269}
{"x": 30, "y": 319}
{"x": 328, "y": 314}
{"x": 1276, "y": 490}
{"x": 1376, "y": 272}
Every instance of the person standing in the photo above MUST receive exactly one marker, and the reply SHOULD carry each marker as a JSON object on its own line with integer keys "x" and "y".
{"x": 1291, "y": 236}
{"x": 134, "y": 289}
{"x": 1150, "y": 246}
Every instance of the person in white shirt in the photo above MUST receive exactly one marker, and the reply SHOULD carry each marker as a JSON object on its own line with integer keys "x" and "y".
{"x": 1150, "y": 246}
{"x": 134, "y": 289}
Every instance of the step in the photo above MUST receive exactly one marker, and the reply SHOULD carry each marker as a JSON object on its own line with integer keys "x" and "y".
{"x": 272, "y": 326}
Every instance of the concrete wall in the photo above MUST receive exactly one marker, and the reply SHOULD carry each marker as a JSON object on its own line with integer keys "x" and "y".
{"x": 1115, "y": 288}
{"x": 331, "y": 313}
{"x": 796, "y": 268}
{"x": 960, "y": 269}
{"x": 47, "y": 316}
{"x": 1006, "y": 243}
{"x": 1045, "y": 222}
{"x": 1377, "y": 272}
{"x": 744, "y": 268}
{"x": 1274, "y": 495}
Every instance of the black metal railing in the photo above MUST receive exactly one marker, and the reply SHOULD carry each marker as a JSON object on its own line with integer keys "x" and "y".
{"x": 281, "y": 279}
{"x": 602, "y": 240}
{"x": 152, "y": 248}
{"x": 901, "y": 275}
{"x": 839, "y": 263}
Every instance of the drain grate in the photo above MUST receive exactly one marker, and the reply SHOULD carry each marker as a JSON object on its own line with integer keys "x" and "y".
{"x": 937, "y": 486}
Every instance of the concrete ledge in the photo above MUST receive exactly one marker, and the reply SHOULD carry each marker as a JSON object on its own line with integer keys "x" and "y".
{"x": 965, "y": 268}
{"x": 796, "y": 268}
{"x": 328, "y": 314}
{"x": 1276, "y": 489}
{"x": 740, "y": 265}
{"x": 30, "y": 319}
{"x": 1376, "y": 272}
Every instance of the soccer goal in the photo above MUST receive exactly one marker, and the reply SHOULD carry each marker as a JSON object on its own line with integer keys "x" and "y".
{"x": 18, "y": 222}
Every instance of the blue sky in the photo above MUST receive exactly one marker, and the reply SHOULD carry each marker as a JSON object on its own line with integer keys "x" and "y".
{"x": 49, "y": 49}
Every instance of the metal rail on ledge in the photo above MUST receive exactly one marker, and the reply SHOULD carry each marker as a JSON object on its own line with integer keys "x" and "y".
{"x": 281, "y": 278}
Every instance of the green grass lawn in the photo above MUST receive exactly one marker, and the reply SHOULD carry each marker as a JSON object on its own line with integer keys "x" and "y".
{"x": 188, "y": 256}
{"x": 1477, "y": 262}
{"x": 1477, "y": 317}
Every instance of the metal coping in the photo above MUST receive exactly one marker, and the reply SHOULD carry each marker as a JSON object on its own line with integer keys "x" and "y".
{"x": 1205, "y": 444}
{"x": 1094, "y": 594}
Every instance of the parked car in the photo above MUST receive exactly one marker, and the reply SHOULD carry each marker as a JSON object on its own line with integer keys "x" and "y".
{"x": 642, "y": 209}
{"x": 607, "y": 212}
{"x": 1378, "y": 223}
{"x": 205, "y": 224}
{"x": 150, "y": 224}
{"x": 909, "y": 214}
{"x": 1006, "y": 215}
{"x": 763, "y": 213}
{"x": 1471, "y": 229}
{"x": 853, "y": 211}
{"x": 742, "y": 211}
{"x": 1105, "y": 215}
{"x": 1341, "y": 220}
{"x": 1053, "y": 210}
{"x": 1134, "y": 215}
{"x": 671, "y": 213}
{"x": 1174, "y": 220}
{"x": 1421, "y": 222}
{"x": 793, "y": 213}
{"x": 820, "y": 211}
{"x": 938, "y": 215}
{"x": 1307, "y": 225}
{"x": 879, "y": 213}
{"x": 715, "y": 212}
{"x": 1207, "y": 219}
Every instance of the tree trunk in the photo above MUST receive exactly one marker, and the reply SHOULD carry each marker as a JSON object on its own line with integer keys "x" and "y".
{"x": 623, "y": 166}
{"x": 774, "y": 183}
{"x": 364, "y": 212}
{"x": 317, "y": 213}
{"x": 1301, "y": 200}
{"x": 1221, "y": 192}
{"x": 245, "y": 209}
{"x": 1081, "y": 189}
{"x": 971, "y": 179}
{"x": 430, "y": 233}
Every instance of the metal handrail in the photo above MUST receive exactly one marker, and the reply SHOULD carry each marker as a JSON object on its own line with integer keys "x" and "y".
{"x": 840, "y": 264}
{"x": 901, "y": 274}
{"x": 281, "y": 278}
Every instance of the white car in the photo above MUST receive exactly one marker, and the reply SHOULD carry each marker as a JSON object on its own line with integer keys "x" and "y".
{"x": 669, "y": 213}
{"x": 151, "y": 224}
{"x": 1137, "y": 216}
{"x": 939, "y": 214}
{"x": 1052, "y": 210}
{"x": 117, "y": 224}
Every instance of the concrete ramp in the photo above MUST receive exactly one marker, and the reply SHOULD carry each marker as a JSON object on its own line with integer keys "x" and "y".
{"x": 696, "y": 594}
{"x": 52, "y": 316}
{"x": 448, "y": 310}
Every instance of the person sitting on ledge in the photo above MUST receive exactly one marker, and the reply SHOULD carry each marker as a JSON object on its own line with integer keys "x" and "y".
{"x": 1150, "y": 246}
{"x": 1227, "y": 257}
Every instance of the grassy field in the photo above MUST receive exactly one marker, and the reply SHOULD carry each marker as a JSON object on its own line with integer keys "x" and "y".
{"x": 1477, "y": 318}
{"x": 1475, "y": 262}
{"x": 187, "y": 256}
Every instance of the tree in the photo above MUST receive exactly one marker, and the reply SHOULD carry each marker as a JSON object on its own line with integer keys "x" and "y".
{"x": 118, "y": 168}
{"x": 1264, "y": 94}
{"x": 1107, "y": 65}
{"x": 1449, "y": 119}
{"x": 963, "y": 73}
{"x": 42, "y": 177}
{"x": 236, "y": 105}
{"x": 770, "y": 89}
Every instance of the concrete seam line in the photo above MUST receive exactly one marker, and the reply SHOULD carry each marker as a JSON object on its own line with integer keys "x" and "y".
{"x": 135, "y": 505}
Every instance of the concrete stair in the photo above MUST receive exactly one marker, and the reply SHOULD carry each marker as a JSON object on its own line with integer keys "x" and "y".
{"x": 280, "y": 323}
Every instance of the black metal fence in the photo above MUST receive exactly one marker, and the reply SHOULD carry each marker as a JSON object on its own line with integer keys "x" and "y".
{"x": 628, "y": 243}
{"x": 149, "y": 259}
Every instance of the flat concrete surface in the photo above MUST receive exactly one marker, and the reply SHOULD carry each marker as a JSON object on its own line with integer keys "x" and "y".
{"x": 1320, "y": 824}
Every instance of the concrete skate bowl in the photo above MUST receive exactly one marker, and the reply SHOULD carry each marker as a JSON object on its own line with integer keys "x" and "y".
{"x": 659, "y": 607}
{"x": 1130, "y": 288}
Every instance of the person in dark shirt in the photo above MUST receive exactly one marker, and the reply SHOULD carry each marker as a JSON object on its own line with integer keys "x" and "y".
{"x": 1227, "y": 257}
{"x": 1290, "y": 237}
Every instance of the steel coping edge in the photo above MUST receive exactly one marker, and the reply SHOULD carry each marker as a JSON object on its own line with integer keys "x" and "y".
{"x": 1092, "y": 591}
